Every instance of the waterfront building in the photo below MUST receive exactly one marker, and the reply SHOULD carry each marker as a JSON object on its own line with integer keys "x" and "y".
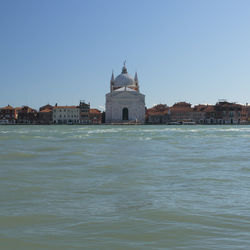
{"x": 95, "y": 116}
{"x": 27, "y": 115}
{"x": 228, "y": 113}
{"x": 159, "y": 114}
{"x": 247, "y": 110}
{"x": 46, "y": 107}
{"x": 210, "y": 115}
{"x": 124, "y": 102}
{"x": 66, "y": 115}
{"x": 45, "y": 115}
{"x": 181, "y": 112}
{"x": 84, "y": 112}
{"x": 8, "y": 115}
{"x": 245, "y": 115}
{"x": 198, "y": 114}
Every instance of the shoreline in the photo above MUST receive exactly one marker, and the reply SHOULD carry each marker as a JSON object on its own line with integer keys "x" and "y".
{"x": 126, "y": 124}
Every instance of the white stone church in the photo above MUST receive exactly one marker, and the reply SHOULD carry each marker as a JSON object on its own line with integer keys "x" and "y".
{"x": 125, "y": 103}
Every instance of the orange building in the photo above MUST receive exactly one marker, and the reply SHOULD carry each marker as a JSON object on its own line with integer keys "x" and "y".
{"x": 8, "y": 115}
{"x": 95, "y": 116}
{"x": 181, "y": 112}
{"x": 159, "y": 114}
{"x": 245, "y": 115}
{"x": 27, "y": 115}
{"x": 199, "y": 114}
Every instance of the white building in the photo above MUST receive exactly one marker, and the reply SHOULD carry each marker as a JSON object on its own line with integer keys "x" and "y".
{"x": 66, "y": 115}
{"x": 125, "y": 103}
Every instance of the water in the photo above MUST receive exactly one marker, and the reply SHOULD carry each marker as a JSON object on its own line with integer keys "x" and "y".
{"x": 124, "y": 187}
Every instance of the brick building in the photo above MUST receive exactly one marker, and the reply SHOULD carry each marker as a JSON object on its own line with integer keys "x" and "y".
{"x": 84, "y": 112}
{"x": 181, "y": 112}
{"x": 95, "y": 116}
{"x": 8, "y": 115}
{"x": 245, "y": 115}
{"x": 159, "y": 114}
{"x": 227, "y": 113}
{"x": 45, "y": 115}
{"x": 199, "y": 113}
{"x": 27, "y": 115}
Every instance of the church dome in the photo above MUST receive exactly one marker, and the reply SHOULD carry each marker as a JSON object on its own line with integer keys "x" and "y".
{"x": 124, "y": 79}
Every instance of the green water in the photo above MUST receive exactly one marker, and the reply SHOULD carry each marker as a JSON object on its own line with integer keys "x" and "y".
{"x": 124, "y": 187}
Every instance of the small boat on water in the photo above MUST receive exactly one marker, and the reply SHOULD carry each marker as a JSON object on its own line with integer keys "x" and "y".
{"x": 188, "y": 123}
{"x": 175, "y": 123}
{"x": 182, "y": 123}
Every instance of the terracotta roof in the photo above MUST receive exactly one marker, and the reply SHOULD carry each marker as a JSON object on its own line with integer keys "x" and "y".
{"x": 7, "y": 107}
{"x": 209, "y": 108}
{"x": 45, "y": 111}
{"x": 152, "y": 113}
{"x": 26, "y": 109}
{"x": 199, "y": 107}
{"x": 25, "y": 106}
{"x": 94, "y": 111}
{"x": 159, "y": 108}
{"x": 47, "y": 106}
{"x": 181, "y": 109}
{"x": 182, "y": 104}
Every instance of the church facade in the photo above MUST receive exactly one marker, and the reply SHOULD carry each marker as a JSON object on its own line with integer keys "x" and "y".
{"x": 124, "y": 102}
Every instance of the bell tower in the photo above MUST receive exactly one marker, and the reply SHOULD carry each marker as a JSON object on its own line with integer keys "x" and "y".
{"x": 112, "y": 82}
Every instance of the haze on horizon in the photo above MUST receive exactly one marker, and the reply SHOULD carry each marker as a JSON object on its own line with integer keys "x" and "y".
{"x": 64, "y": 51}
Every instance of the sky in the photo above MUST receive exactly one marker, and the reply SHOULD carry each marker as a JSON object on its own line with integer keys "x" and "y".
{"x": 58, "y": 51}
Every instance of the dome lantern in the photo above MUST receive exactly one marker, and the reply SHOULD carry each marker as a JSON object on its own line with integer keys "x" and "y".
{"x": 124, "y": 69}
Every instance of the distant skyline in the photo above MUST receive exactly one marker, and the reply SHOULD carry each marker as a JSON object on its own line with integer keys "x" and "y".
{"x": 62, "y": 52}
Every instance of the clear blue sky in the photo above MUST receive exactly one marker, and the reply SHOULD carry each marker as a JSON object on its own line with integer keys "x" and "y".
{"x": 57, "y": 51}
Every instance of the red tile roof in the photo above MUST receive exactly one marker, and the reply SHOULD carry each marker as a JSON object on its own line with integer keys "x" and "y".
{"x": 158, "y": 108}
{"x": 45, "y": 111}
{"x": 94, "y": 111}
{"x": 182, "y": 104}
{"x": 209, "y": 108}
{"x": 152, "y": 113}
{"x": 7, "y": 107}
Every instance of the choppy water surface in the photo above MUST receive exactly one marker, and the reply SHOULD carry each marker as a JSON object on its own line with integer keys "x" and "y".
{"x": 124, "y": 187}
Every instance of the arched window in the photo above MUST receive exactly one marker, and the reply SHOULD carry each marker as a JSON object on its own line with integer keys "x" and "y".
{"x": 125, "y": 114}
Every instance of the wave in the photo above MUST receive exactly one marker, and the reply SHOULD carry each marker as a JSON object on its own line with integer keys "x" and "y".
{"x": 18, "y": 156}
